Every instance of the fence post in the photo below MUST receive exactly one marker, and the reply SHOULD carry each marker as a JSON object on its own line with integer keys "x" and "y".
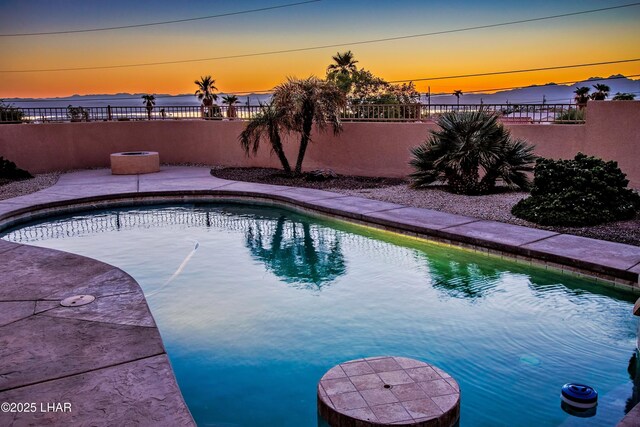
{"x": 109, "y": 112}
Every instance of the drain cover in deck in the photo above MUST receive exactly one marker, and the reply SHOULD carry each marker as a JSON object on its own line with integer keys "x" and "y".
{"x": 77, "y": 300}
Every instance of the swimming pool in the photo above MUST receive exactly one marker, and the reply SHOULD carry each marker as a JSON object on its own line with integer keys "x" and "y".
{"x": 254, "y": 304}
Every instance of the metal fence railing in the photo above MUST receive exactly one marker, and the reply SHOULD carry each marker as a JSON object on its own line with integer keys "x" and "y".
{"x": 508, "y": 113}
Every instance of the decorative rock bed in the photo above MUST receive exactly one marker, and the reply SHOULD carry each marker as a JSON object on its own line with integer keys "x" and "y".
{"x": 135, "y": 162}
{"x": 380, "y": 391}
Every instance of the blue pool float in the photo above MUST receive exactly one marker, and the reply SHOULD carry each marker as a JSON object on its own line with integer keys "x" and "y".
{"x": 579, "y": 396}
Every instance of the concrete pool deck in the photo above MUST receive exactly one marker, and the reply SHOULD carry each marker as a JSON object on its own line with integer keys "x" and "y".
{"x": 107, "y": 358}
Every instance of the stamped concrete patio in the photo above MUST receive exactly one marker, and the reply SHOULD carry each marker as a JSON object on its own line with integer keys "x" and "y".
{"x": 107, "y": 358}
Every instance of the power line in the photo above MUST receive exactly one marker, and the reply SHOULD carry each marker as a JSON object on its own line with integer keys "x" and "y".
{"x": 504, "y": 72}
{"x": 274, "y": 52}
{"x": 528, "y": 70}
{"x": 150, "y": 24}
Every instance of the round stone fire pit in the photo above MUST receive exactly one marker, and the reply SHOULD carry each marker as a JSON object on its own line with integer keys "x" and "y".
{"x": 135, "y": 162}
{"x": 385, "y": 391}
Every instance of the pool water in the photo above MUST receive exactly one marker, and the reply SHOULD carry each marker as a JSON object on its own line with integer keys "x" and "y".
{"x": 255, "y": 304}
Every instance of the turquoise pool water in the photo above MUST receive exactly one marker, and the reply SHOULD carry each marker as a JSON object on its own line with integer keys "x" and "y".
{"x": 254, "y": 304}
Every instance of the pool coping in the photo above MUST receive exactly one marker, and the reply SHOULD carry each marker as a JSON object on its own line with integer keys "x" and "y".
{"x": 610, "y": 263}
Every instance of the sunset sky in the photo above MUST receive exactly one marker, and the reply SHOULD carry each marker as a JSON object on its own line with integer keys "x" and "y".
{"x": 596, "y": 37}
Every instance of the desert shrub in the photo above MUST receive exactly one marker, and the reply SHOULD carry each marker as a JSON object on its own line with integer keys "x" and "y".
{"x": 9, "y": 171}
{"x": 583, "y": 191}
{"x": 624, "y": 96}
{"x": 471, "y": 151}
{"x": 77, "y": 114}
{"x": 570, "y": 115}
{"x": 10, "y": 114}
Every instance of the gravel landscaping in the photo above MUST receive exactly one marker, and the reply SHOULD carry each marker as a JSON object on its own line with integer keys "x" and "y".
{"x": 496, "y": 207}
{"x": 9, "y": 189}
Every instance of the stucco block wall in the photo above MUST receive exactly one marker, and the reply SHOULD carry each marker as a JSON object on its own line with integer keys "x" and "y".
{"x": 369, "y": 149}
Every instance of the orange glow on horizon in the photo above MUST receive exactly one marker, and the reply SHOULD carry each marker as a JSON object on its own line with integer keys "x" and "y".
{"x": 455, "y": 54}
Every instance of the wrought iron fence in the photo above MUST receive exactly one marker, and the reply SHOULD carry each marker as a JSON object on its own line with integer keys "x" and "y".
{"x": 508, "y": 113}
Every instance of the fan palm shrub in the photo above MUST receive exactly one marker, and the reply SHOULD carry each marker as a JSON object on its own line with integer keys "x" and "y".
{"x": 230, "y": 100}
{"x": 308, "y": 102}
{"x": 470, "y": 152}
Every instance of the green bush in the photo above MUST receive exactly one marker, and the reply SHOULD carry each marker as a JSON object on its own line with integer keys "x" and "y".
{"x": 77, "y": 114}
{"x": 9, "y": 171}
{"x": 582, "y": 191}
{"x": 570, "y": 115}
{"x": 10, "y": 114}
{"x": 470, "y": 152}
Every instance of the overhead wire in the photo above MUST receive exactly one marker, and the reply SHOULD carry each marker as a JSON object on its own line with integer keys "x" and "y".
{"x": 309, "y": 48}
{"x": 150, "y": 24}
{"x": 527, "y": 70}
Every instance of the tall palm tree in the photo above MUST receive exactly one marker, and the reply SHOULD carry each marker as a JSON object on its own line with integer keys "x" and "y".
{"x": 458, "y": 93}
{"x": 269, "y": 122}
{"x": 602, "y": 92}
{"x": 344, "y": 63}
{"x": 582, "y": 96}
{"x": 307, "y": 102}
{"x": 230, "y": 100}
{"x": 149, "y": 101}
{"x": 206, "y": 87}
{"x": 343, "y": 70}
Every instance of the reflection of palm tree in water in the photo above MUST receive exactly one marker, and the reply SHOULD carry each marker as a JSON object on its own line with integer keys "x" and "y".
{"x": 295, "y": 255}
{"x": 461, "y": 279}
{"x": 634, "y": 374}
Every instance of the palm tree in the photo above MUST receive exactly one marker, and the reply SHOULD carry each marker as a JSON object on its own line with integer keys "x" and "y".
{"x": 342, "y": 70}
{"x": 582, "y": 96}
{"x": 344, "y": 63}
{"x": 624, "y": 96}
{"x": 602, "y": 92}
{"x": 149, "y": 101}
{"x": 469, "y": 146}
{"x": 458, "y": 93}
{"x": 308, "y": 102}
{"x": 269, "y": 122}
{"x": 206, "y": 86}
{"x": 230, "y": 100}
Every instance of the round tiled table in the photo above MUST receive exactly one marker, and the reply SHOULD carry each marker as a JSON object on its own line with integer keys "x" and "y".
{"x": 388, "y": 390}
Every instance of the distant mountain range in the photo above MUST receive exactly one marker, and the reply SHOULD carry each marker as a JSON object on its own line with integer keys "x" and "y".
{"x": 552, "y": 94}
